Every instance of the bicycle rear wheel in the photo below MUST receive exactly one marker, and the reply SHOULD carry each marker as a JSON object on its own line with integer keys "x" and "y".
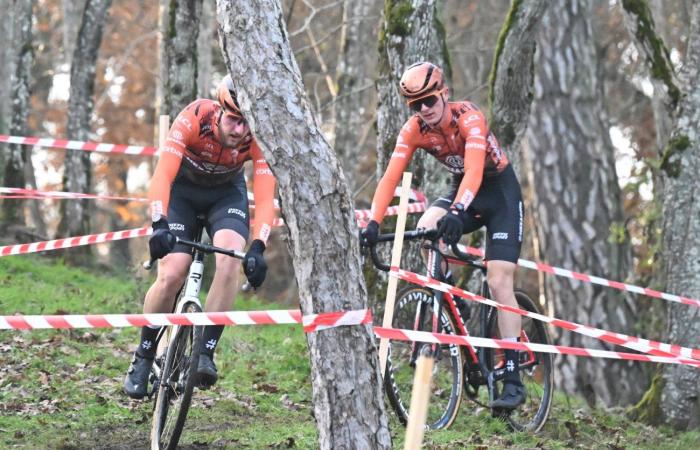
{"x": 535, "y": 369}
{"x": 177, "y": 381}
{"x": 414, "y": 311}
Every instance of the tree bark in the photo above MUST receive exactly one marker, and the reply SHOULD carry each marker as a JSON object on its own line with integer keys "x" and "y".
{"x": 23, "y": 60}
{"x": 205, "y": 47}
{"x": 78, "y": 170}
{"x": 318, "y": 210}
{"x": 180, "y": 33}
{"x": 355, "y": 80}
{"x": 512, "y": 76}
{"x": 680, "y": 397}
{"x": 578, "y": 202}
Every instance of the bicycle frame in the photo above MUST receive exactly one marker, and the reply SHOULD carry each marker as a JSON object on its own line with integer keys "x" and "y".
{"x": 477, "y": 370}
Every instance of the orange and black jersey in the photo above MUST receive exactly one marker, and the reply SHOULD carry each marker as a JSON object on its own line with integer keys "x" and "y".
{"x": 193, "y": 151}
{"x": 461, "y": 141}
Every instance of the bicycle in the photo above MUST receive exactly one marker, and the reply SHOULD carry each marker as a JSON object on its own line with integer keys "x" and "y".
{"x": 458, "y": 368}
{"x": 173, "y": 374}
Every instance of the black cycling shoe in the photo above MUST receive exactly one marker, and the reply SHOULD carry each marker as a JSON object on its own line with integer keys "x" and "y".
{"x": 513, "y": 396}
{"x": 136, "y": 380}
{"x": 206, "y": 372}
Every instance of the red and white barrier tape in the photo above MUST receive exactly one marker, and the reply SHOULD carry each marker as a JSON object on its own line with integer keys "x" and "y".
{"x": 592, "y": 279}
{"x": 436, "y": 338}
{"x": 77, "y": 241}
{"x": 79, "y": 145}
{"x": 33, "y": 193}
{"x": 318, "y": 322}
{"x": 635, "y": 343}
{"x": 312, "y": 322}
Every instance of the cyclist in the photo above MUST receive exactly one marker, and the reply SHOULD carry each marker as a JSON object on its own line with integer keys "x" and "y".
{"x": 484, "y": 191}
{"x": 200, "y": 171}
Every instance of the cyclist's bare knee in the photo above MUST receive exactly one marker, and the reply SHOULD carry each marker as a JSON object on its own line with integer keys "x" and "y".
{"x": 172, "y": 270}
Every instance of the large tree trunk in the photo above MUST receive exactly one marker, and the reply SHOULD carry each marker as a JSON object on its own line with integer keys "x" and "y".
{"x": 512, "y": 76}
{"x": 318, "y": 210}
{"x": 355, "y": 81}
{"x": 680, "y": 398}
{"x": 578, "y": 202}
{"x": 78, "y": 170}
{"x": 23, "y": 60}
{"x": 6, "y": 69}
{"x": 180, "y": 32}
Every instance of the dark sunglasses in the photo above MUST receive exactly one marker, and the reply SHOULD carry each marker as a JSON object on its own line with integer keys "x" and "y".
{"x": 429, "y": 102}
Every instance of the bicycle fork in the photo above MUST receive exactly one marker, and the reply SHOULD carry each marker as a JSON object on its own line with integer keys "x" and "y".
{"x": 191, "y": 289}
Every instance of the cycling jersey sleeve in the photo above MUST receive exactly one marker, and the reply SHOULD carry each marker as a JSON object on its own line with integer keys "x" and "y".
{"x": 403, "y": 152}
{"x": 472, "y": 127}
{"x": 170, "y": 157}
{"x": 263, "y": 194}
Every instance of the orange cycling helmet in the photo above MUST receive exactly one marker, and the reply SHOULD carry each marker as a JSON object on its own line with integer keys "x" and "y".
{"x": 227, "y": 96}
{"x": 420, "y": 80}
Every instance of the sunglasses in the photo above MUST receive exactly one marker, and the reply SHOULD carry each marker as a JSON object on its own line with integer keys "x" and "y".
{"x": 429, "y": 102}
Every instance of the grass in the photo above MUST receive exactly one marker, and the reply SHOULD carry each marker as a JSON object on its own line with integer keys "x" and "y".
{"x": 61, "y": 389}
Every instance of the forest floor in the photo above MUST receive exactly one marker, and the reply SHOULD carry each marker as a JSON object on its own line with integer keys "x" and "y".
{"x": 61, "y": 389}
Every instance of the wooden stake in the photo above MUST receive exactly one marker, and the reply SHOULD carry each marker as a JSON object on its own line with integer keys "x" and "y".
{"x": 420, "y": 395}
{"x": 395, "y": 262}
{"x": 163, "y": 127}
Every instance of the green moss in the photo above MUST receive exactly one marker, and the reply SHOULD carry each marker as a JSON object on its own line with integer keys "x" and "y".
{"x": 648, "y": 410}
{"x": 618, "y": 233}
{"x": 670, "y": 160}
{"x": 172, "y": 29}
{"x": 441, "y": 35}
{"x": 397, "y": 15}
{"x": 660, "y": 61}
{"x": 500, "y": 44}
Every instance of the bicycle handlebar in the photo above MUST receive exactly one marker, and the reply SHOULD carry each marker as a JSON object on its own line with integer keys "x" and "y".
{"x": 206, "y": 248}
{"x": 419, "y": 233}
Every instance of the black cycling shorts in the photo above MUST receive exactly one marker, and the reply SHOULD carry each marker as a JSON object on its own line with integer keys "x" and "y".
{"x": 225, "y": 207}
{"x": 498, "y": 205}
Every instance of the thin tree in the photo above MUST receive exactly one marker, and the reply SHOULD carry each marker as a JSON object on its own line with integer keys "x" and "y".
{"x": 17, "y": 158}
{"x": 578, "y": 209}
{"x": 77, "y": 176}
{"x": 673, "y": 395}
{"x": 355, "y": 75}
{"x": 180, "y": 33}
{"x": 318, "y": 210}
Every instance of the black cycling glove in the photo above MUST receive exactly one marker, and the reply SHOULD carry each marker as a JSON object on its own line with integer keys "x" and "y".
{"x": 162, "y": 241}
{"x": 450, "y": 227}
{"x": 370, "y": 233}
{"x": 254, "y": 265}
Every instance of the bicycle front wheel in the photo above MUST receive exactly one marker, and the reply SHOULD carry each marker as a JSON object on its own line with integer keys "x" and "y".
{"x": 414, "y": 311}
{"x": 177, "y": 381}
{"x": 535, "y": 369}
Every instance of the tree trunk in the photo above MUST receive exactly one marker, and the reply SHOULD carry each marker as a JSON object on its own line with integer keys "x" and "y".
{"x": 355, "y": 81}
{"x": 180, "y": 33}
{"x": 6, "y": 70}
{"x": 578, "y": 203}
{"x": 680, "y": 397}
{"x": 512, "y": 76}
{"x": 318, "y": 210}
{"x": 205, "y": 46}
{"x": 23, "y": 61}
{"x": 78, "y": 171}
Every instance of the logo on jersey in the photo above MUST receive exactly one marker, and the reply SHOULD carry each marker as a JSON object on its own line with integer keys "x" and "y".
{"x": 475, "y": 131}
{"x": 237, "y": 212}
{"x": 177, "y": 135}
{"x": 454, "y": 163}
{"x": 499, "y": 236}
{"x": 176, "y": 226}
{"x": 185, "y": 122}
